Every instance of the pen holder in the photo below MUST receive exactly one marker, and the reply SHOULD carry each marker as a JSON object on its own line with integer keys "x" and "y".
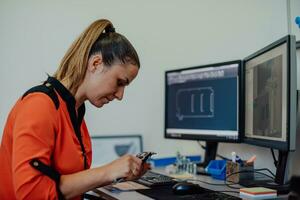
{"x": 246, "y": 171}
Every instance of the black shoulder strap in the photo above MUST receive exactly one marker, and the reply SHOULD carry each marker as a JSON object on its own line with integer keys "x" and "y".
{"x": 35, "y": 163}
{"x": 48, "y": 171}
{"x": 55, "y": 176}
{"x": 45, "y": 169}
{"x": 47, "y": 90}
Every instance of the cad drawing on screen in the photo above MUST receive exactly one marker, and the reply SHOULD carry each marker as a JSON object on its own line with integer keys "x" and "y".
{"x": 201, "y": 103}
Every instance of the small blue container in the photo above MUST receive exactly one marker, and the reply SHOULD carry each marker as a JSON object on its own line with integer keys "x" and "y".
{"x": 217, "y": 169}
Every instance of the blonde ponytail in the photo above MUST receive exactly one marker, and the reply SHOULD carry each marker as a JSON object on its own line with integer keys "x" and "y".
{"x": 72, "y": 68}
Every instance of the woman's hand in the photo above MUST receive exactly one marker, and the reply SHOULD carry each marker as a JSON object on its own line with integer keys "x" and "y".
{"x": 128, "y": 167}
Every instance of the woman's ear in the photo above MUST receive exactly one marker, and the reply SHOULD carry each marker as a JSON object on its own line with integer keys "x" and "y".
{"x": 95, "y": 63}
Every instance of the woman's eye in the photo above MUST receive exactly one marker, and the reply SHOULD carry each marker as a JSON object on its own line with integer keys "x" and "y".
{"x": 120, "y": 83}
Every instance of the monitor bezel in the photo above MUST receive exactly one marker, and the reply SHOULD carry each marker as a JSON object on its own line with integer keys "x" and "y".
{"x": 184, "y": 136}
{"x": 289, "y": 144}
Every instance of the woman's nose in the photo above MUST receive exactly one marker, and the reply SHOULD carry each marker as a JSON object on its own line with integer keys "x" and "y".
{"x": 119, "y": 94}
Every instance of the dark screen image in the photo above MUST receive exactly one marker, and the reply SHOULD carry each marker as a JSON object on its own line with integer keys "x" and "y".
{"x": 267, "y": 98}
{"x": 203, "y": 104}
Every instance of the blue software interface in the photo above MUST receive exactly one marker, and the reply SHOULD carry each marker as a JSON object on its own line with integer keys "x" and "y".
{"x": 203, "y": 101}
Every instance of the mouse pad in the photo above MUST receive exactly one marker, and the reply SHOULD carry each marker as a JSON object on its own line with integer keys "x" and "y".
{"x": 165, "y": 192}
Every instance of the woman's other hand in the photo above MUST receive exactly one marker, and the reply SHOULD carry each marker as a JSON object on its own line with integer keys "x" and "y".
{"x": 128, "y": 167}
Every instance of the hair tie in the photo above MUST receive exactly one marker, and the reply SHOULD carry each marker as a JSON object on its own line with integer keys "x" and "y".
{"x": 110, "y": 29}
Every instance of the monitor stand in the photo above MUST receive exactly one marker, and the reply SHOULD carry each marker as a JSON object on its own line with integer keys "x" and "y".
{"x": 279, "y": 182}
{"x": 210, "y": 154}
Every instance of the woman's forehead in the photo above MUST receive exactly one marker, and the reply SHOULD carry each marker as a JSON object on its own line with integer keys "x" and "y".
{"x": 128, "y": 71}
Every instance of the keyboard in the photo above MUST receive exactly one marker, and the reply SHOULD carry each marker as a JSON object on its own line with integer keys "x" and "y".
{"x": 152, "y": 179}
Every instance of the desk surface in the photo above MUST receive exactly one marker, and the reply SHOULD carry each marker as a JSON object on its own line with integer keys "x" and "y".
{"x": 133, "y": 195}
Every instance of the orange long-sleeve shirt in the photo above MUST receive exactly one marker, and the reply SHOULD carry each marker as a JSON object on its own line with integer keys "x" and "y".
{"x": 36, "y": 129}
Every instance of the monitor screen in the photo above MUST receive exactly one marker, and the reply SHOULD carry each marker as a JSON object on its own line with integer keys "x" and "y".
{"x": 202, "y": 103}
{"x": 270, "y": 96}
{"x": 110, "y": 147}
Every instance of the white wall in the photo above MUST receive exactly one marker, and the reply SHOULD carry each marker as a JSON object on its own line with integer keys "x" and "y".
{"x": 167, "y": 35}
{"x": 294, "y": 12}
{"x": 295, "y": 30}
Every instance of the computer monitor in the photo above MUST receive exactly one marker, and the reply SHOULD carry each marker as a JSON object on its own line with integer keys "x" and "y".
{"x": 203, "y": 103}
{"x": 107, "y": 148}
{"x": 270, "y": 99}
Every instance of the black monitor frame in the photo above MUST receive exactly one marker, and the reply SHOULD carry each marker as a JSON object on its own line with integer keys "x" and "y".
{"x": 289, "y": 144}
{"x": 211, "y": 141}
{"x": 240, "y": 113}
{"x": 291, "y": 111}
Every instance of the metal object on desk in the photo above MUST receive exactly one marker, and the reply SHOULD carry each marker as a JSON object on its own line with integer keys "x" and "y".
{"x": 144, "y": 156}
{"x": 184, "y": 165}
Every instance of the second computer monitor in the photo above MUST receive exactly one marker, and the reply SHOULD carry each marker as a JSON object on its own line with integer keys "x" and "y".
{"x": 270, "y": 95}
{"x": 203, "y": 103}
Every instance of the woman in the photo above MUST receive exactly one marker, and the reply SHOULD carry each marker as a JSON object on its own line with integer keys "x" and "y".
{"x": 46, "y": 149}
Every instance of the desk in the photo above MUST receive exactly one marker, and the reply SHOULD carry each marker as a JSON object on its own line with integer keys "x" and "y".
{"x": 133, "y": 195}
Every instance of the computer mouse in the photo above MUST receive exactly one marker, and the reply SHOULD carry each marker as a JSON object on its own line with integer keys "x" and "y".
{"x": 185, "y": 188}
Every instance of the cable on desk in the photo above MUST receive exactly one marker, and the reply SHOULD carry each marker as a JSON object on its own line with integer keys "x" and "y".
{"x": 230, "y": 186}
{"x": 228, "y": 191}
{"x": 256, "y": 171}
{"x": 274, "y": 158}
{"x": 247, "y": 171}
{"x": 217, "y": 184}
{"x": 230, "y": 183}
{"x": 218, "y": 191}
{"x": 266, "y": 169}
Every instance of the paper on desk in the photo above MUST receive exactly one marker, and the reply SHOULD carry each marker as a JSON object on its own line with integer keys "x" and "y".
{"x": 181, "y": 176}
{"x": 129, "y": 186}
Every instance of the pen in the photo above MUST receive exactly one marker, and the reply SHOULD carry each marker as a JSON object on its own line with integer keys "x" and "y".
{"x": 239, "y": 160}
{"x": 233, "y": 156}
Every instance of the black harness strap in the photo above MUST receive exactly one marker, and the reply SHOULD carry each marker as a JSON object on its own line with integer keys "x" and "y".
{"x": 50, "y": 172}
{"x": 47, "y": 90}
{"x": 76, "y": 128}
{"x": 71, "y": 103}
